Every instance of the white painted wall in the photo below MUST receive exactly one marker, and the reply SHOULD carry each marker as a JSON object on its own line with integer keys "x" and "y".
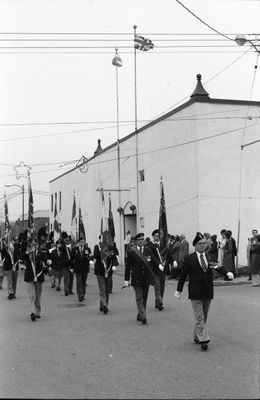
{"x": 201, "y": 178}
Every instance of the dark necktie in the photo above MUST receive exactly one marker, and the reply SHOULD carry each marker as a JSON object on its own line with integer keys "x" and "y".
{"x": 203, "y": 263}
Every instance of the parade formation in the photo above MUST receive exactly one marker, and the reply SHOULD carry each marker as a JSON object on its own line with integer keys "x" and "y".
{"x": 149, "y": 261}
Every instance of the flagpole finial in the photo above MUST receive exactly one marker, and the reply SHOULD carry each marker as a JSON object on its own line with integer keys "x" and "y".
{"x": 134, "y": 26}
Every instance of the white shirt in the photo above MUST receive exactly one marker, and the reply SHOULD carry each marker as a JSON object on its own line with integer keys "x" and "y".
{"x": 205, "y": 259}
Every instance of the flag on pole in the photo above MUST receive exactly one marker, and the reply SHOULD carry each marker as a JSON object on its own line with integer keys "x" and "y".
{"x": 142, "y": 43}
{"x": 117, "y": 61}
{"x": 31, "y": 225}
{"x": 163, "y": 231}
{"x": 111, "y": 226}
{"x": 81, "y": 226}
{"x": 56, "y": 225}
{"x": 7, "y": 223}
{"x": 105, "y": 235}
{"x": 73, "y": 229}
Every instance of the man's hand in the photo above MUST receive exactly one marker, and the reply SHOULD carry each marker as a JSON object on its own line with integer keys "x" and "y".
{"x": 161, "y": 267}
{"x": 126, "y": 284}
{"x": 177, "y": 295}
{"x": 230, "y": 276}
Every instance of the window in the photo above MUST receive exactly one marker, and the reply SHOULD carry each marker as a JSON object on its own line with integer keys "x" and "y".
{"x": 52, "y": 203}
{"x": 59, "y": 201}
{"x": 141, "y": 175}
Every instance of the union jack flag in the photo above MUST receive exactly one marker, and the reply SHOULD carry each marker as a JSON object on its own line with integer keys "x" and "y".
{"x": 143, "y": 44}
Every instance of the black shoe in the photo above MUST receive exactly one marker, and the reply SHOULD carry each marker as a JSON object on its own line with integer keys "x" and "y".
{"x": 52, "y": 286}
{"x": 10, "y": 296}
{"x": 66, "y": 293}
{"x": 37, "y": 316}
{"x": 33, "y": 317}
{"x": 58, "y": 289}
{"x": 14, "y": 296}
{"x": 71, "y": 293}
{"x": 249, "y": 279}
{"x": 161, "y": 307}
{"x": 105, "y": 310}
{"x": 204, "y": 346}
{"x": 138, "y": 318}
{"x": 144, "y": 321}
{"x": 196, "y": 341}
{"x": 80, "y": 299}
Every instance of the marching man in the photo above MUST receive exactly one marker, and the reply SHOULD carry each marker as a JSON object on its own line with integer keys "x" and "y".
{"x": 200, "y": 289}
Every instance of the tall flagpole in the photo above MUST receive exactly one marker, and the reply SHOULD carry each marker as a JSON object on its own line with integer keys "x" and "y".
{"x": 136, "y": 138}
{"x": 118, "y": 63}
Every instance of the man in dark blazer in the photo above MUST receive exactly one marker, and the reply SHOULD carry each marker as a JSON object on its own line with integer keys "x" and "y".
{"x": 199, "y": 269}
{"x": 138, "y": 265}
{"x": 157, "y": 263}
{"x": 80, "y": 258}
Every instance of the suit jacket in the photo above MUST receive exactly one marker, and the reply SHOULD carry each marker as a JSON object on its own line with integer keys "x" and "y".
{"x": 80, "y": 261}
{"x": 57, "y": 259}
{"x": 138, "y": 267}
{"x": 200, "y": 283}
{"x": 155, "y": 260}
{"x": 40, "y": 266}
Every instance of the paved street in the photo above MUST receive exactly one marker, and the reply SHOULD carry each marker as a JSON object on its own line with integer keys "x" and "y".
{"x": 75, "y": 351}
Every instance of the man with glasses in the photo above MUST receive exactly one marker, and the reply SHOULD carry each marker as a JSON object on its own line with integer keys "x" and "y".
{"x": 200, "y": 290}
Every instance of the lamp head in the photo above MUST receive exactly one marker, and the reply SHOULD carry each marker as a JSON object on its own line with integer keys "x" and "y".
{"x": 241, "y": 39}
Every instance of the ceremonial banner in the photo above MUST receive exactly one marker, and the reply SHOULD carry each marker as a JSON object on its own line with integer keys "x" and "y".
{"x": 73, "y": 229}
{"x": 105, "y": 235}
{"x": 81, "y": 226}
{"x": 143, "y": 44}
{"x": 56, "y": 225}
{"x": 31, "y": 225}
{"x": 111, "y": 226}
{"x": 7, "y": 223}
{"x": 163, "y": 231}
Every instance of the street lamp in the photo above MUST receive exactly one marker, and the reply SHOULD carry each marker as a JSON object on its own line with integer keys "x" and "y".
{"x": 241, "y": 40}
{"x": 22, "y": 188}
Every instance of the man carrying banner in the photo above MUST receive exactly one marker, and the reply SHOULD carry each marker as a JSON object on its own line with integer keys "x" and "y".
{"x": 157, "y": 262}
{"x": 103, "y": 269}
{"x": 138, "y": 265}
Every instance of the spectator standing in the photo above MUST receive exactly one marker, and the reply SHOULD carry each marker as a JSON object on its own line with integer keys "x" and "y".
{"x": 213, "y": 250}
{"x": 255, "y": 261}
{"x": 221, "y": 246}
{"x": 184, "y": 249}
{"x": 228, "y": 260}
{"x": 251, "y": 241}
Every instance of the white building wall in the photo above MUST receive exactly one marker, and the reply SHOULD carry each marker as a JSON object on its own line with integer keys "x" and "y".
{"x": 201, "y": 177}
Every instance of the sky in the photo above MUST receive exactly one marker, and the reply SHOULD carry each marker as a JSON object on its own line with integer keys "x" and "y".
{"x": 58, "y": 84}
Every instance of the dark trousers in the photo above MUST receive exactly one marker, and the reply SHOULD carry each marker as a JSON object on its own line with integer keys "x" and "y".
{"x": 103, "y": 286}
{"x": 159, "y": 288}
{"x": 14, "y": 279}
{"x": 71, "y": 280}
{"x": 81, "y": 284}
{"x": 141, "y": 295}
